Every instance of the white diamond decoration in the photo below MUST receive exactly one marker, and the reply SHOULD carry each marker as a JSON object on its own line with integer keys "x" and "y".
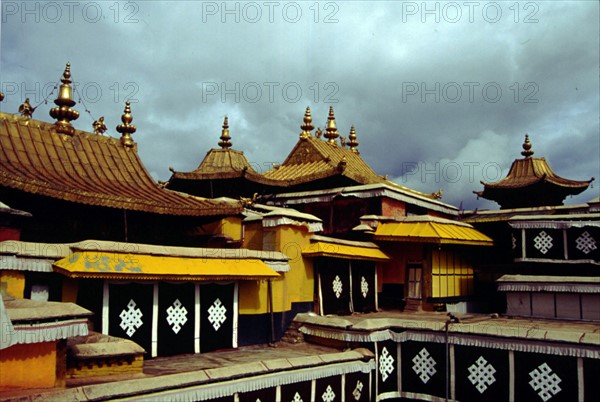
{"x": 544, "y": 380}
{"x": 176, "y": 316}
{"x": 586, "y": 243}
{"x": 337, "y": 286}
{"x": 357, "y": 390}
{"x": 543, "y": 242}
{"x": 216, "y": 314}
{"x": 328, "y": 395}
{"x": 131, "y": 319}
{"x": 386, "y": 364}
{"x": 424, "y": 365}
{"x": 364, "y": 287}
{"x": 297, "y": 398}
{"x": 482, "y": 374}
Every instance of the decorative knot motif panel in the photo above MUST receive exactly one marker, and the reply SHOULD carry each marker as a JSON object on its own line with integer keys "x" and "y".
{"x": 337, "y": 286}
{"x": 131, "y": 318}
{"x": 482, "y": 374}
{"x": 424, "y": 365}
{"x": 357, "y": 390}
{"x": 543, "y": 242}
{"x": 586, "y": 243}
{"x": 297, "y": 398}
{"x": 328, "y": 395}
{"x": 364, "y": 287}
{"x": 386, "y": 364}
{"x": 545, "y": 382}
{"x": 176, "y": 316}
{"x": 216, "y": 314}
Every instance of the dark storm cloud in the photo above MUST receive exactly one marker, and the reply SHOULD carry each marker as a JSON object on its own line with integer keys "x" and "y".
{"x": 422, "y": 94}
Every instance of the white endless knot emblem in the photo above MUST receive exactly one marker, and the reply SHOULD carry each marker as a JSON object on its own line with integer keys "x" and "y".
{"x": 424, "y": 365}
{"x": 337, "y": 286}
{"x": 297, "y": 398}
{"x": 544, "y": 380}
{"x": 328, "y": 395}
{"x": 386, "y": 364}
{"x": 216, "y": 314}
{"x": 131, "y": 319}
{"x": 364, "y": 287}
{"x": 585, "y": 243}
{"x": 543, "y": 242}
{"x": 482, "y": 374}
{"x": 176, "y": 316}
{"x": 357, "y": 390}
{"x": 514, "y": 241}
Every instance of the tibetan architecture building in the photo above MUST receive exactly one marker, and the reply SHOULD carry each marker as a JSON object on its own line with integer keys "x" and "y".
{"x": 531, "y": 182}
{"x": 363, "y": 289}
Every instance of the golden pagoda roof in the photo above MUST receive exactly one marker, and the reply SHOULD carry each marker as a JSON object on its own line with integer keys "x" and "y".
{"x": 313, "y": 159}
{"x": 529, "y": 171}
{"x": 88, "y": 169}
{"x": 531, "y": 182}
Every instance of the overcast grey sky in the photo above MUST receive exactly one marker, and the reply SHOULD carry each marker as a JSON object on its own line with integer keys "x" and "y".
{"x": 441, "y": 93}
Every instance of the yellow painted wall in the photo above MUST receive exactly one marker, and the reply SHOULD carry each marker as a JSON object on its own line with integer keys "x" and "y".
{"x": 253, "y": 235}
{"x": 232, "y": 227}
{"x": 28, "y": 366}
{"x": 451, "y": 274}
{"x": 13, "y": 282}
{"x": 297, "y": 285}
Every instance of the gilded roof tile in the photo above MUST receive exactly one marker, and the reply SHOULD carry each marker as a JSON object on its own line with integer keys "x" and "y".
{"x": 89, "y": 169}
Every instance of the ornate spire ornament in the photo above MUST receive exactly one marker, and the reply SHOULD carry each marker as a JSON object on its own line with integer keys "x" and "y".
{"x": 126, "y": 128}
{"x": 99, "y": 126}
{"x": 225, "y": 137}
{"x": 527, "y": 152}
{"x": 352, "y": 143}
{"x": 307, "y": 127}
{"x": 26, "y": 110}
{"x": 331, "y": 132}
{"x": 63, "y": 112}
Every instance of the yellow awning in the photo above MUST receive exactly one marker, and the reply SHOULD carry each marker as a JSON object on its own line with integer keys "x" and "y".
{"x": 323, "y": 249}
{"x": 94, "y": 264}
{"x": 432, "y": 232}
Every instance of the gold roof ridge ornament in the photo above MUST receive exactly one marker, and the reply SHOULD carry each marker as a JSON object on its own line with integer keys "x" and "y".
{"x": 527, "y": 152}
{"x": 26, "y": 110}
{"x": 126, "y": 129}
{"x": 307, "y": 127}
{"x": 352, "y": 142}
{"x": 225, "y": 142}
{"x": 63, "y": 112}
{"x": 99, "y": 126}
{"x": 331, "y": 132}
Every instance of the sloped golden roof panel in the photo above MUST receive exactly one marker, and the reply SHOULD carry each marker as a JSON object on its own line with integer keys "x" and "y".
{"x": 312, "y": 159}
{"x": 88, "y": 169}
{"x": 425, "y": 229}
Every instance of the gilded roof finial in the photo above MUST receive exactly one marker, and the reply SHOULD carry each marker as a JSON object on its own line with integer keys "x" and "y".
{"x": 126, "y": 129}
{"x": 63, "y": 113}
{"x": 26, "y": 110}
{"x": 307, "y": 127}
{"x": 331, "y": 132}
{"x": 352, "y": 143}
{"x": 99, "y": 126}
{"x": 225, "y": 137}
{"x": 527, "y": 152}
